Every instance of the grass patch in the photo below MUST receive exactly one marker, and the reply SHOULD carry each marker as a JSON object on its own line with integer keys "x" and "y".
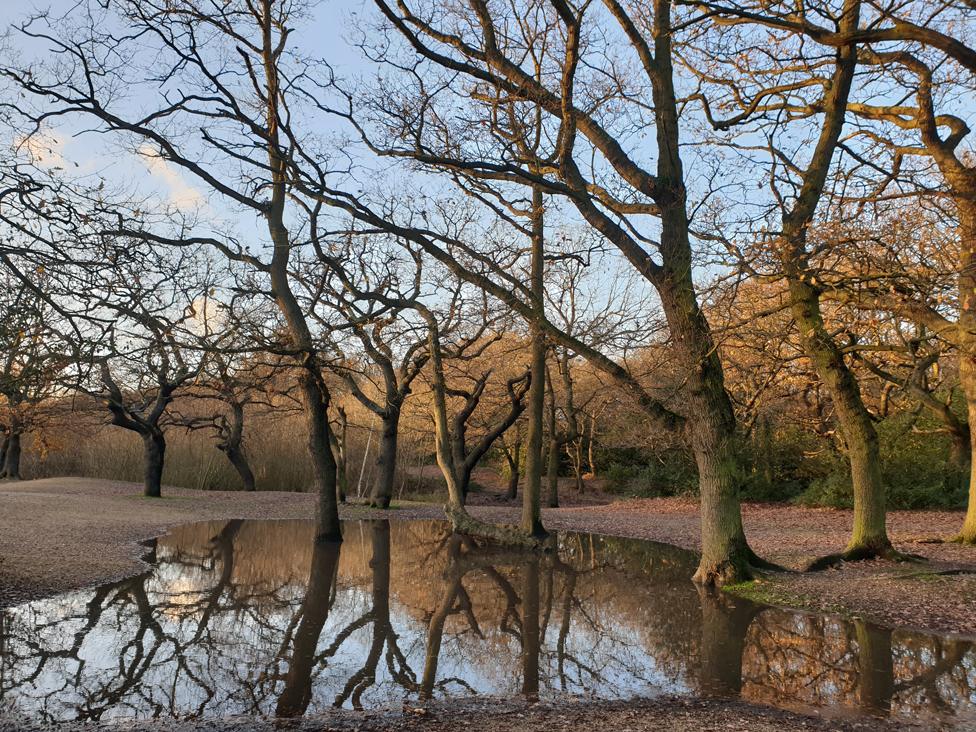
{"x": 765, "y": 592}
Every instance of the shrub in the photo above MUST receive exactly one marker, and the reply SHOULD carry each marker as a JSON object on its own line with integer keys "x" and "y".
{"x": 669, "y": 474}
{"x": 915, "y": 467}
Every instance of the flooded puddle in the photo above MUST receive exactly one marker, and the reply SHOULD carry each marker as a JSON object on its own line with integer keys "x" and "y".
{"x": 253, "y": 617}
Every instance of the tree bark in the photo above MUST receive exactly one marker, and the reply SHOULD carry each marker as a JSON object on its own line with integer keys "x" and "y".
{"x": 961, "y": 449}
{"x": 315, "y": 399}
{"x": 578, "y": 465}
{"x": 238, "y": 459}
{"x": 514, "y": 471}
{"x": 339, "y": 450}
{"x": 590, "y": 458}
{"x": 967, "y": 357}
{"x": 709, "y": 418}
{"x": 11, "y": 454}
{"x": 382, "y": 490}
{"x": 869, "y": 537}
{"x": 233, "y": 447}
{"x": 552, "y": 473}
{"x": 154, "y": 454}
{"x": 314, "y": 392}
{"x": 710, "y": 426}
{"x": 552, "y": 454}
{"x": 532, "y": 493}
{"x": 967, "y": 375}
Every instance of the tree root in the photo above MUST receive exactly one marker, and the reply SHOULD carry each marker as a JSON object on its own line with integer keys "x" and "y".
{"x": 464, "y": 523}
{"x": 962, "y": 539}
{"x": 745, "y": 566}
{"x": 764, "y": 564}
{"x": 938, "y": 573}
{"x": 861, "y": 554}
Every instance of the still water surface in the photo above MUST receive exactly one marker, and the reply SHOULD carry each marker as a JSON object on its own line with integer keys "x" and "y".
{"x": 254, "y": 617}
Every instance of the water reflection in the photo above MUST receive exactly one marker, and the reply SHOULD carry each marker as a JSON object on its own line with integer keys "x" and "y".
{"x": 255, "y": 617}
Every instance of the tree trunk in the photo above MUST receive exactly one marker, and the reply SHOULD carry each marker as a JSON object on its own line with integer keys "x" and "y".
{"x": 462, "y": 474}
{"x": 578, "y": 465}
{"x": 869, "y": 537}
{"x": 967, "y": 375}
{"x": 961, "y": 448}
{"x": 514, "y": 466}
{"x": 238, "y": 459}
{"x": 967, "y": 358}
{"x": 590, "y": 459}
{"x": 315, "y": 394}
{"x": 154, "y": 454}
{"x": 315, "y": 399}
{"x": 710, "y": 426}
{"x": 532, "y": 494}
{"x": 552, "y": 473}
{"x": 552, "y": 458}
{"x": 10, "y": 467}
{"x": 233, "y": 447}
{"x": 464, "y": 480}
{"x": 382, "y": 491}
{"x": 726, "y": 557}
{"x": 338, "y": 445}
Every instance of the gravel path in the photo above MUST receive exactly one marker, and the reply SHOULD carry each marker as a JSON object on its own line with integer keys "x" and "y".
{"x": 59, "y": 534}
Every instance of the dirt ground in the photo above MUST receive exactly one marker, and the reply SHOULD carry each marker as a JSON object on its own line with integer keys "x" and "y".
{"x": 64, "y": 533}
{"x": 664, "y": 714}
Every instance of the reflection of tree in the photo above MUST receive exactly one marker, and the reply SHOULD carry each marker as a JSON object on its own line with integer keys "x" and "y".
{"x": 876, "y": 673}
{"x": 383, "y": 635}
{"x": 314, "y": 611}
{"x": 725, "y": 622}
{"x": 153, "y": 627}
{"x": 455, "y": 599}
{"x": 480, "y": 585}
{"x": 254, "y": 617}
{"x": 530, "y": 628}
{"x": 807, "y": 661}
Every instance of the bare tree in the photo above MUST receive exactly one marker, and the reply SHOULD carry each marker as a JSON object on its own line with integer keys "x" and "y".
{"x": 481, "y": 50}
{"x": 216, "y": 107}
{"x": 29, "y": 370}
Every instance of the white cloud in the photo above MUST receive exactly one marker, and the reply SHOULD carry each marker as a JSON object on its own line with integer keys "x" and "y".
{"x": 181, "y": 194}
{"x": 43, "y": 147}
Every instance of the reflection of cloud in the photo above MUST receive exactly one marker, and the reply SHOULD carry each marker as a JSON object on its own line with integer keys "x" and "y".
{"x": 42, "y": 146}
{"x": 181, "y": 193}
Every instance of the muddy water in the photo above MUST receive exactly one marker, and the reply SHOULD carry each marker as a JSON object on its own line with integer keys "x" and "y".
{"x": 253, "y": 617}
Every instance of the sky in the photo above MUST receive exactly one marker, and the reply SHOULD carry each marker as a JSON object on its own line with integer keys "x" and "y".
{"x": 334, "y": 26}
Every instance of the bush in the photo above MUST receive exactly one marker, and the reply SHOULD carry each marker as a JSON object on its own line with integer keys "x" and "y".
{"x": 669, "y": 474}
{"x": 915, "y": 467}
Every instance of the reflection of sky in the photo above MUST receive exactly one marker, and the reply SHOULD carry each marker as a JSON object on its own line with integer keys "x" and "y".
{"x": 236, "y": 667}
{"x": 630, "y": 633}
